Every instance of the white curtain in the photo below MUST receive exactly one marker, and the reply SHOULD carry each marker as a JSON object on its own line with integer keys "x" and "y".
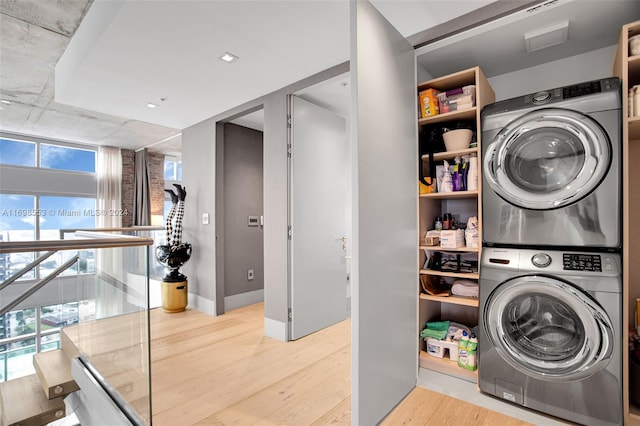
{"x": 109, "y": 187}
{"x": 109, "y": 298}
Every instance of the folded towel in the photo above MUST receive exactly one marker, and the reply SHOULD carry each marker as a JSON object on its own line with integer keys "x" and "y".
{"x": 465, "y": 288}
{"x": 437, "y": 330}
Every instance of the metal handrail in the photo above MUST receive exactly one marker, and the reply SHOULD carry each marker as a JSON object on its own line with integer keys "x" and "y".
{"x": 26, "y": 269}
{"x": 94, "y": 240}
{"x": 60, "y": 269}
{"x": 122, "y": 229}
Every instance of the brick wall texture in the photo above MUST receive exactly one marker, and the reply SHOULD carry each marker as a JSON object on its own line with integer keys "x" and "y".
{"x": 156, "y": 184}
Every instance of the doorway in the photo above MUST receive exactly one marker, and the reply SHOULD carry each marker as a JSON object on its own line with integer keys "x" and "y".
{"x": 319, "y": 207}
{"x": 239, "y": 212}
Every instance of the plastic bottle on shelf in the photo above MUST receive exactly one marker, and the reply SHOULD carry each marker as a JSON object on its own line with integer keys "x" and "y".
{"x": 463, "y": 352}
{"x": 438, "y": 223}
{"x": 447, "y": 180}
{"x": 471, "y": 352}
{"x": 472, "y": 175}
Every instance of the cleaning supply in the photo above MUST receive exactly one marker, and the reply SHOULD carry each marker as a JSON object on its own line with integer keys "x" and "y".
{"x": 435, "y": 329}
{"x": 464, "y": 173}
{"x": 472, "y": 175}
{"x": 447, "y": 179}
{"x": 466, "y": 355}
{"x": 472, "y": 348}
{"x": 457, "y": 174}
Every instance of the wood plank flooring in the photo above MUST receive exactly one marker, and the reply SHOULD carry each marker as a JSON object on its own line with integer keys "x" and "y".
{"x": 223, "y": 371}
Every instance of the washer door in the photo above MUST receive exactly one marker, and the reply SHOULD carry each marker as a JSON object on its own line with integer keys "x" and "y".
{"x": 548, "y": 329}
{"x": 547, "y": 159}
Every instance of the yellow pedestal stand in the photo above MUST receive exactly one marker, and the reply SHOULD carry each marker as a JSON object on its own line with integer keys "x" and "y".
{"x": 174, "y": 296}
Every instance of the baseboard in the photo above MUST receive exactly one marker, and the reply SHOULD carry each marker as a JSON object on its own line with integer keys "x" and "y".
{"x": 202, "y": 304}
{"x": 276, "y": 329}
{"x": 243, "y": 299}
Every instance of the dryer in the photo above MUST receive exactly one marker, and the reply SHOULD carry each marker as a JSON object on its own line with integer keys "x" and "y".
{"x": 551, "y": 168}
{"x": 550, "y": 327}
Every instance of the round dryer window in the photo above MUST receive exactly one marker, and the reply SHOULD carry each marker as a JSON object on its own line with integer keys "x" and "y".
{"x": 547, "y": 159}
{"x": 548, "y": 329}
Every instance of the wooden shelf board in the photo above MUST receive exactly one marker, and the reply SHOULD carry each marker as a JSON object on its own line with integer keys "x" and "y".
{"x": 634, "y": 128}
{"x": 451, "y": 195}
{"x": 451, "y": 81}
{"x": 456, "y": 250}
{"x": 446, "y": 366}
{"x": 439, "y": 156}
{"x": 471, "y": 276}
{"x": 454, "y": 300}
{"x": 467, "y": 114}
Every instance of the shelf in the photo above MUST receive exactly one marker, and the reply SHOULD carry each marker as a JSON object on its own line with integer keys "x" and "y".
{"x": 439, "y": 156}
{"x": 451, "y": 81}
{"x": 454, "y": 300}
{"x": 469, "y": 275}
{"x": 452, "y": 250}
{"x": 634, "y": 128}
{"x": 450, "y": 195}
{"x": 446, "y": 366}
{"x": 634, "y": 68}
{"x": 467, "y": 114}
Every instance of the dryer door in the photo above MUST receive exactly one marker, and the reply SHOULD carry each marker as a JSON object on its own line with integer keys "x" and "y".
{"x": 547, "y": 159}
{"x": 548, "y": 329}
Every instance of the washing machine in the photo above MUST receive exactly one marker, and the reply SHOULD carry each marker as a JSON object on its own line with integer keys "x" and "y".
{"x": 549, "y": 330}
{"x": 551, "y": 168}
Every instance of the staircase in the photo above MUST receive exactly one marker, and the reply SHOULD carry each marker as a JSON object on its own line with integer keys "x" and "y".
{"x": 38, "y": 399}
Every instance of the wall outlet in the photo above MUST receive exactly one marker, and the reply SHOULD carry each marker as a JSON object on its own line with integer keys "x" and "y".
{"x": 249, "y": 274}
{"x": 205, "y": 218}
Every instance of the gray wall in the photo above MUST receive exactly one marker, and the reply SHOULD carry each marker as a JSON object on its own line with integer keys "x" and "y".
{"x": 243, "y": 245}
{"x": 199, "y": 171}
{"x": 574, "y": 69}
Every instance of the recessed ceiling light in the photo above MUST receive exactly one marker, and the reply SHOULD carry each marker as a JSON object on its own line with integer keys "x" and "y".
{"x": 228, "y": 57}
{"x": 150, "y": 105}
{"x": 5, "y": 101}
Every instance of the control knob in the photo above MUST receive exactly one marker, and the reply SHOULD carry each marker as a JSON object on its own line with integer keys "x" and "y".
{"x": 541, "y": 260}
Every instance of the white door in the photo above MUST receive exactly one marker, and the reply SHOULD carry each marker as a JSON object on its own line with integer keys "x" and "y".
{"x": 384, "y": 127}
{"x": 318, "y": 220}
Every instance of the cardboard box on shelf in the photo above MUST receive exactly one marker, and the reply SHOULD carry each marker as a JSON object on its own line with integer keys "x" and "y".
{"x": 429, "y": 103}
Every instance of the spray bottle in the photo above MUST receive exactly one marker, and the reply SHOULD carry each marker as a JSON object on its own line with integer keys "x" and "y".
{"x": 447, "y": 180}
{"x": 472, "y": 175}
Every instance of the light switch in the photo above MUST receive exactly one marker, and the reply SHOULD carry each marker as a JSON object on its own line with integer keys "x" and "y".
{"x": 205, "y": 218}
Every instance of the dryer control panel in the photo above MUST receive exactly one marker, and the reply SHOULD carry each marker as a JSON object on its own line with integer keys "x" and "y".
{"x": 581, "y": 262}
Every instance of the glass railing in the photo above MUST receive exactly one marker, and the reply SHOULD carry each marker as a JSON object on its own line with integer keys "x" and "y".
{"x": 101, "y": 313}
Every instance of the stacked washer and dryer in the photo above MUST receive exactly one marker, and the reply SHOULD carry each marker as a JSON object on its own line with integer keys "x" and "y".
{"x": 550, "y": 320}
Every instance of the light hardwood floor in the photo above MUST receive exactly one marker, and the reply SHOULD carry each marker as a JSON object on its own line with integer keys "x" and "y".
{"x": 223, "y": 371}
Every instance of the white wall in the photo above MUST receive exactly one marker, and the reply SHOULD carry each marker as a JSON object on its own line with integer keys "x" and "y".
{"x": 564, "y": 72}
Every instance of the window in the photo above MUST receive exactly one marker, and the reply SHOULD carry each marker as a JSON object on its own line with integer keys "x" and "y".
{"x": 65, "y": 158}
{"x": 47, "y": 156}
{"x": 24, "y": 332}
{"x": 172, "y": 169}
{"x": 17, "y": 153}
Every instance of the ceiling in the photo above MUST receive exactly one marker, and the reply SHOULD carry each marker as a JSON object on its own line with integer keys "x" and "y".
{"x": 83, "y": 71}
{"x": 90, "y": 83}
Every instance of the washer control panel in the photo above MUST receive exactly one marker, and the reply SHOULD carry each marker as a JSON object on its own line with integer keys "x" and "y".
{"x": 583, "y": 262}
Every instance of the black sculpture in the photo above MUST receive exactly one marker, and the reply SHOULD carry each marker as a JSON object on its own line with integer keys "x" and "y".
{"x": 174, "y": 253}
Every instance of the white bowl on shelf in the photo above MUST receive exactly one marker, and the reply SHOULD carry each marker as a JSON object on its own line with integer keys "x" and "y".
{"x": 455, "y": 140}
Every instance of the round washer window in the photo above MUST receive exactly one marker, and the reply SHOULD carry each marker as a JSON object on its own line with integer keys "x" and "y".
{"x": 544, "y": 160}
{"x": 547, "y": 159}
{"x": 543, "y": 326}
{"x": 548, "y": 329}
